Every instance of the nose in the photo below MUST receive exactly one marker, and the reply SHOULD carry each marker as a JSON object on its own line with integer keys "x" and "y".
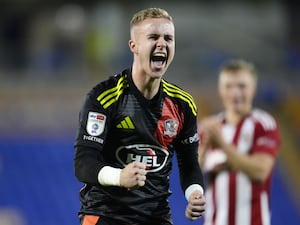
{"x": 161, "y": 43}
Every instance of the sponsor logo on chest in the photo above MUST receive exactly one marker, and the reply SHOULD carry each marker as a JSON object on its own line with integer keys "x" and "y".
{"x": 152, "y": 156}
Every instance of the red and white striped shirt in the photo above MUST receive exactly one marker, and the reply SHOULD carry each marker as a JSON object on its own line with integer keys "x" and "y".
{"x": 232, "y": 198}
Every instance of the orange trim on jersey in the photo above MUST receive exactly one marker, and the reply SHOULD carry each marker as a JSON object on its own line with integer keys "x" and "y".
{"x": 90, "y": 220}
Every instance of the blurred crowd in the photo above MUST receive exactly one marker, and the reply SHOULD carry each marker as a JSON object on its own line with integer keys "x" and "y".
{"x": 90, "y": 37}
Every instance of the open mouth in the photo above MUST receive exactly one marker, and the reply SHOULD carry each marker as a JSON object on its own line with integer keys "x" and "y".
{"x": 158, "y": 59}
{"x": 237, "y": 100}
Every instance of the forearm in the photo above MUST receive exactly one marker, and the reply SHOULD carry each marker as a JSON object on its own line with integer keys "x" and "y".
{"x": 91, "y": 168}
{"x": 190, "y": 171}
{"x": 257, "y": 166}
{"x": 87, "y": 165}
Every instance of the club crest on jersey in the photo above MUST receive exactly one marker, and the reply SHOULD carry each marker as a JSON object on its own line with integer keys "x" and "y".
{"x": 95, "y": 123}
{"x": 171, "y": 128}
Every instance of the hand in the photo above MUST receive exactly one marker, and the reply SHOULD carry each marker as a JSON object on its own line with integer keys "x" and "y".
{"x": 204, "y": 145}
{"x": 196, "y": 206}
{"x": 205, "y": 140}
{"x": 212, "y": 127}
{"x": 133, "y": 175}
{"x": 221, "y": 167}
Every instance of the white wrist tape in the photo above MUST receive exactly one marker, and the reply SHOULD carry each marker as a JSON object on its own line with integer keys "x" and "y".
{"x": 191, "y": 189}
{"x": 109, "y": 176}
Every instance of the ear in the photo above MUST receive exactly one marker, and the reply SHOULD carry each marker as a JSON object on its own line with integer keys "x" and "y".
{"x": 132, "y": 46}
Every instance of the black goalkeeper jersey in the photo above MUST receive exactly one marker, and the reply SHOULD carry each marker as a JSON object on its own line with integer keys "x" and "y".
{"x": 117, "y": 126}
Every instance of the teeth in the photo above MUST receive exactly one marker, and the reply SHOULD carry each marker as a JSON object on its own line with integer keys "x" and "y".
{"x": 159, "y": 54}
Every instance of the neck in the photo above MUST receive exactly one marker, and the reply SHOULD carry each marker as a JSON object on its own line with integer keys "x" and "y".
{"x": 234, "y": 117}
{"x": 145, "y": 84}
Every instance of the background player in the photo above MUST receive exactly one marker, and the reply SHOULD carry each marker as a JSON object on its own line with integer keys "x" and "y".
{"x": 130, "y": 125}
{"x": 237, "y": 151}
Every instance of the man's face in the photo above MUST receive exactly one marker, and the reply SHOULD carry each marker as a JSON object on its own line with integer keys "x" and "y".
{"x": 153, "y": 44}
{"x": 237, "y": 89}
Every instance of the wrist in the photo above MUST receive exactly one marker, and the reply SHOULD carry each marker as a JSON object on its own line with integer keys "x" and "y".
{"x": 232, "y": 155}
{"x": 193, "y": 187}
{"x": 109, "y": 176}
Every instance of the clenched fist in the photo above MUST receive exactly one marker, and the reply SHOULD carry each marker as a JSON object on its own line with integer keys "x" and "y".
{"x": 196, "y": 206}
{"x": 133, "y": 175}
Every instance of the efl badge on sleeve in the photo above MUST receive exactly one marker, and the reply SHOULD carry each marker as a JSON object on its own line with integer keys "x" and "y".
{"x": 95, "y": 123}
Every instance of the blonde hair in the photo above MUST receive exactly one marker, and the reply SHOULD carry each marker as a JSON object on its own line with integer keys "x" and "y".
{"x": 238, "y": 64}
{"x": 235, "y": 65}
{"x": 149, "y": 13}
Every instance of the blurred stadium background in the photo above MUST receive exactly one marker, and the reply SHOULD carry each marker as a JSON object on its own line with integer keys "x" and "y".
{"x": 53, "y": 52}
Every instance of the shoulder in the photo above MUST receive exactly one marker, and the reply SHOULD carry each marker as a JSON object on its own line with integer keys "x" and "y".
{"x": 108, "y": 91}
{"x": 267, "y": 134}
{"x": 175, "y": 92}
{"x": 265, "y": 119}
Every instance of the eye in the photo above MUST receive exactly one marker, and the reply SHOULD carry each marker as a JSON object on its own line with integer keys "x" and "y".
{"x": 169, "y": 38}
{"x": 153, "y": 37}
{"x": 242, "y": 86}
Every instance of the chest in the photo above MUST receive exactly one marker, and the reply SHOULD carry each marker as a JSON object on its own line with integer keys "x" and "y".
{"x": 156, "y": 122}
{"x": 242, "y": 135}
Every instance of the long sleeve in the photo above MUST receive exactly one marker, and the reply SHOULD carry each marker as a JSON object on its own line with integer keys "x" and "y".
{"x": 92, "y": 131}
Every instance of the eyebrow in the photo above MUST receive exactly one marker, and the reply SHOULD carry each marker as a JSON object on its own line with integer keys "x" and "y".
{"x": 156, "y": 34}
